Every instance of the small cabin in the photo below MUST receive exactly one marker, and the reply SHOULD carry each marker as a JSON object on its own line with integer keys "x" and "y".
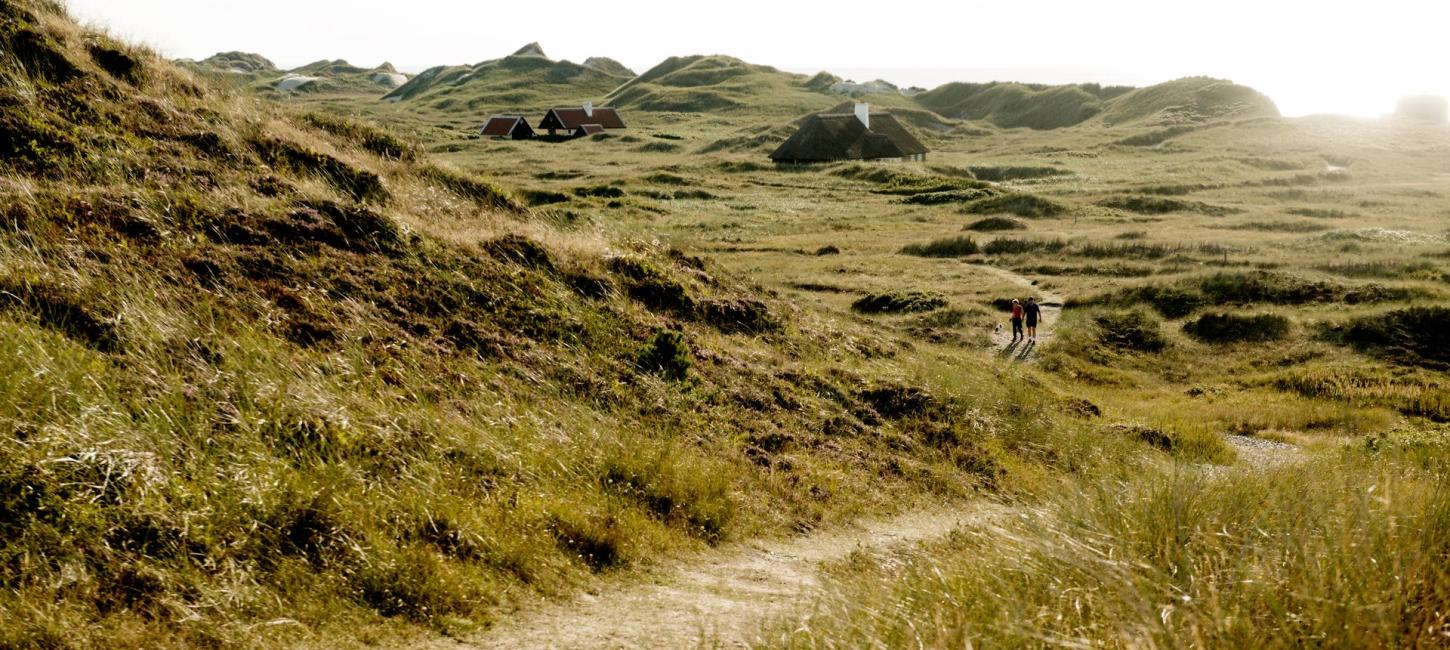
{"x": 860, "y": 135}
{"x": 570, "y": 120}
{"x": 588, "y": 129}
{"x": 502, "y": 127}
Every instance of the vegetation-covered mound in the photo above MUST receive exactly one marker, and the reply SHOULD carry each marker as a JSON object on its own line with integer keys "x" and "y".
{"x": 899, "y": 302}
{"x": 1417, "y": 336}
{"x": 272, "y": 367}
{"x": 1235, "y": 328}
{"x": 1191, "y": 100}
{"x": 525, "y": 80}
{"x": 694, "y": 84}
{"x": 1011, "y": 105}
{"x": 1252, "y": 288}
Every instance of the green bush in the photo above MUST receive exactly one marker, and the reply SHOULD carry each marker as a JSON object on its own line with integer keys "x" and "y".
{"x": 667, "y": 355}
{"x": 1009, "y": 246}
{"x": 946, "y": 247}
{"x": 1022, "y": 205}
{"x": 1234, "y": 328}
{"x": 992, "y": 224}
{"x": 1130, "y": 331}
{"x": 899, "y": 302}
{"x": 1417, "y": 336}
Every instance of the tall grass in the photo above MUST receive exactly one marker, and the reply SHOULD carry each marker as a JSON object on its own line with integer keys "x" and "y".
{"x": 1348, "y": 549}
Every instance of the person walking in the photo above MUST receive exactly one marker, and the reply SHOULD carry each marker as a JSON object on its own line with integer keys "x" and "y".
{"x": 1017, "y": 313}
{"x": 1032, "y": 312}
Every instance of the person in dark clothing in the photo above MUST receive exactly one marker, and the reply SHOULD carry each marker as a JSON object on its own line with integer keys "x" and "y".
{"x": 1032, "y": 312}
{"x": 1016, "y": 320}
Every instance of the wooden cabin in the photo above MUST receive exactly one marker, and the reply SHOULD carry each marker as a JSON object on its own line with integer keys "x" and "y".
{"x": 861, "y": 135}
{"x": 569, "y": 120}
{"x": 501, "y": 127}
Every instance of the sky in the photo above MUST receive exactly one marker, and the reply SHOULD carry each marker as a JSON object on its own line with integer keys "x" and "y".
{"x": 1351, "y": 57}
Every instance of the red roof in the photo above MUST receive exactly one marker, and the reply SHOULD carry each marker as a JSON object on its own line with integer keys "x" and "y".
{"x": 591, "y": 129}
{"x": 573, "y": 118}
{"x": 500, "y": 126}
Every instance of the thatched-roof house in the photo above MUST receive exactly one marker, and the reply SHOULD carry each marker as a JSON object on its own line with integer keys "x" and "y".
{"x": 570, "y": 119}
{"x": 507, "y": 126}
{"x": 861, "y": 135}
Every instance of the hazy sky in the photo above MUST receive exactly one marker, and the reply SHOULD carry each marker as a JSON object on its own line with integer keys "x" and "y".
{"x": 1354, "y": 57}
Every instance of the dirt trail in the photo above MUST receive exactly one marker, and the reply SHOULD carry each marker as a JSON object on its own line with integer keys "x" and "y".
{"x": 721, "y": 597}
{"x": 1051, "y": 303}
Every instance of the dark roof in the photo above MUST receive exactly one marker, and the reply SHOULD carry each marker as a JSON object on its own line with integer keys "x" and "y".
{"x": 575, "y": 117}
{"x": 844, "y": 137}
{"x": 591, "y": 129}
{"x": 500, "y": 126}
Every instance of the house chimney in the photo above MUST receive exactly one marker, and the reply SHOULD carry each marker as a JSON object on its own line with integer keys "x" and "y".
{"x": 863, "y": 113}
{"x": 589, "y": 109}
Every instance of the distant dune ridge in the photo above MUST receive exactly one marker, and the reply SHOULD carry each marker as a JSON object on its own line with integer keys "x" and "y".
{"x": 261, "y": 75}
{"x": 529, "y": 80}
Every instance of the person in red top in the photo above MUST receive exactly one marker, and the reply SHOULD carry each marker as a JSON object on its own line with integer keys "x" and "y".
{"x": 1017, "y": 314}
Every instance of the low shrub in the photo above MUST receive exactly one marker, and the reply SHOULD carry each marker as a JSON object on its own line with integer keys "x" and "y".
{"x": 599, "y": 191}
{"x": 1160, "y": 205}
{"x": 667, "y": 354}
{"x": 899, "y": 302}
{"x": 945, "y": 247}
{"x": 1022, "y": 205}
{"x": 1130, "y": 331}
{"x": 993, "y": 224}
{"x": 1234, "y": 328}
{"x": 1009, "y": 246}
{"x": 949, "y": 196}
{"x": 1417, "y": 336}
{"x": 1011, "y": 173}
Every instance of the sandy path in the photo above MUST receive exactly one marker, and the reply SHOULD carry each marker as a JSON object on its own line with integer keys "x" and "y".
{"x": 1051, "y": 303}
{"x": 719, "y": 598}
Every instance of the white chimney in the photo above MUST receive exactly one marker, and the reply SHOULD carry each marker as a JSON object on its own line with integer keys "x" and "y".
{"x": 863, "y": 113}
{"x": 589, "y": 109}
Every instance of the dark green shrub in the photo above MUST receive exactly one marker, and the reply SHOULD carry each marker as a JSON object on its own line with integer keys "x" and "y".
{"x": 1160, "y": 205}
{"x": 667, "y": 355}
{"x": 949, "y": 196}
{"x": 740, "y": 316}
{"x": 992, "y": 224}
{"x": 599, "y": 191}
{"x": 542, "y": 197}
{"x": 899, "y": 302}
{"x": 1009, "y": 246}
{"x": 947, "y": 247}
{"x": 1130, "y": 331}
{"x": 1022, "y": 205}
{"x": 1233, "y": 328}
{"x": 1418, "y": 336}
